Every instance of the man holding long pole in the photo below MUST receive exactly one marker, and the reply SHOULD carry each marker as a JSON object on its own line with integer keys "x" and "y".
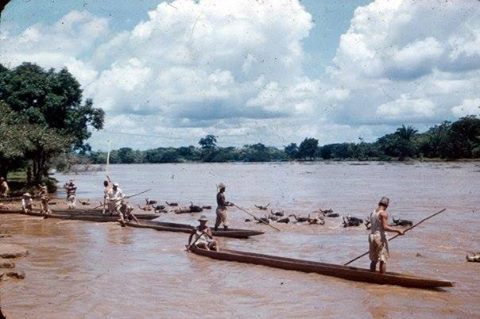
{"x": 377, "y": 239}
{"x": 222, "y": 207}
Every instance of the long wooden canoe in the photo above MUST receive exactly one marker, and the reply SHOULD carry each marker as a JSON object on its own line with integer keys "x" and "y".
{"x": 340, "y": 271}
{"x": 73, "y": 215}
{"x": 10, "y": 199}
{"x": 185, "y": 228}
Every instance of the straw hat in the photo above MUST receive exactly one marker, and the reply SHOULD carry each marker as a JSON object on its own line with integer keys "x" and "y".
{"x": 203, "y": 218}
{"x": 221, "y": 185}
{"x": 27, "y": 195}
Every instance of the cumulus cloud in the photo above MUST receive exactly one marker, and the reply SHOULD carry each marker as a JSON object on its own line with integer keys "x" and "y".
{"x": 235, "y": 68}
{"x": 468, "y": 107}
{"x": 408, "y": 61}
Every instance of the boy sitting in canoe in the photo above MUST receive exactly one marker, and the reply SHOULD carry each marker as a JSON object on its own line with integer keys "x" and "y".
{"x": 377, "y": 239}
{"x": 202, "y": 235}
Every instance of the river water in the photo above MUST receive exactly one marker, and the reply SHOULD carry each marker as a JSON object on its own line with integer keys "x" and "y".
{"x": 99, "y": 270}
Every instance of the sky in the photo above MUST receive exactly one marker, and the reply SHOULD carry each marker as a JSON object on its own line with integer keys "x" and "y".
{"x": 272, "y": 71}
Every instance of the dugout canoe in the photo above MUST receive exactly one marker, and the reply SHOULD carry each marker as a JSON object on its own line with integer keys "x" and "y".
{"x": 72, "y": 215}
{"x": 185, "y": 228}
{"x": 10, "y": 199}
{"x": 340, "y": 271}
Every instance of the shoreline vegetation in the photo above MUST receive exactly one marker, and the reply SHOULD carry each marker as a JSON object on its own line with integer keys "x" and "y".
{"x": 448, "y": 141}
{"x": 45, "y": 123}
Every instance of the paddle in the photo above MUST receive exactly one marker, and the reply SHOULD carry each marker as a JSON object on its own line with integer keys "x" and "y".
{"x": 138, "y": 193}
{"x": 392, "y": 238}
{"x": 187, "y": 247}
{"x": 256, "y": 218}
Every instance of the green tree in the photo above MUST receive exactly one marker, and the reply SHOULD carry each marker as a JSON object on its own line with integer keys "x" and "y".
{"x": 208, "y": 142}
{"x": 463, "y": 139}
{"x": 399, "y": 144}
{"x": 13, "y": 139}
{"x": 308, "y": 148}
{"x": 291, "y": 150}
{"x": 52, "y": 103}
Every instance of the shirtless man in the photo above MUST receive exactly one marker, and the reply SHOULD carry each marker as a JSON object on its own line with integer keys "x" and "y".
{"x": 202, "y": 236}
{"x": 222, "y": 208}
{"x": 378, "y": 244}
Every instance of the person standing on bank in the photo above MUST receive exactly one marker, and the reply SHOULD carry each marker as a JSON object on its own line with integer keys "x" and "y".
{"x": 222, "y": 205}
{"x": 378, "y": 243}
{"x": 4, "y": 189}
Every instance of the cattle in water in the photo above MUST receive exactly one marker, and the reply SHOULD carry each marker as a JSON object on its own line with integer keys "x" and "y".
{"x": 349, "y": 221}
{"x": 160, "y": 209}
{"x": 402, "y": 222}
{"x": 278, "y": 214}
{"x": 299, "y": 219}
{"x": 284, "y": 220}
{"x": 146, "y": 208}
{"x": 315, "y": 220}
{"x": 172, "y": 204}
{"x": 262, "y": 207}
{"x": 195, "y": 208}
{"x": 327, "y": 212}
{"x": 474, "y": 258}
{"x": 150, "y": 202}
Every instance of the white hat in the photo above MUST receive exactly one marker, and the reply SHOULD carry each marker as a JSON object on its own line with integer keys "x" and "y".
{"x": 221, "y": 185}
{"x": 115, "y": 184}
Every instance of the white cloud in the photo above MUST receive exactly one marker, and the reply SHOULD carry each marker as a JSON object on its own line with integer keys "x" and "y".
{"x": 408, "y": 61}
{"x": 406, "y": 109}
{"x": 235, "y": 67}
{"x": 468, "y": 107}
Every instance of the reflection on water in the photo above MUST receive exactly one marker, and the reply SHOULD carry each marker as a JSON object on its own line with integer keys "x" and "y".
{"x": 92, "y": 270}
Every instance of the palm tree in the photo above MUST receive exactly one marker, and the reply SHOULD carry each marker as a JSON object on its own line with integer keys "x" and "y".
{"x": 406, "y": 132}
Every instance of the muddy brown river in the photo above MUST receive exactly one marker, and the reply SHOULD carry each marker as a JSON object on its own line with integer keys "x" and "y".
{"x": 81, "y": 269}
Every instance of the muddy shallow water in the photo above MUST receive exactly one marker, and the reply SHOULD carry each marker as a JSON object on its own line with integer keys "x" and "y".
{"x": 99, "y": 270}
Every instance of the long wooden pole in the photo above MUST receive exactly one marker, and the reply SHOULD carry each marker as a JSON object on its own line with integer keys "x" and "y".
{"x": 256, "y": 218}
{"x": 392, "y": 238}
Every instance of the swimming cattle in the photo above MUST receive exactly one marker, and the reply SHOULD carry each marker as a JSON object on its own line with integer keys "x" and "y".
{"x": 349, "y": 221}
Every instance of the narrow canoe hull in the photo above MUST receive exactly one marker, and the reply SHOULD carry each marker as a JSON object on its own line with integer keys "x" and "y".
{"x": 184, "y": 228}
{"x": 78, "y": 215}
{"x": 339, "y": 271}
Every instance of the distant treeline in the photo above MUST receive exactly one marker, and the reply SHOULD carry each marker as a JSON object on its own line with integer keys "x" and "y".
{"x": 449, "y": 140}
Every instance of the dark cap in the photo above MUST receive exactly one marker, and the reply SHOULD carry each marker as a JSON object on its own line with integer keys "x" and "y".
{"x": 384, "y": 201}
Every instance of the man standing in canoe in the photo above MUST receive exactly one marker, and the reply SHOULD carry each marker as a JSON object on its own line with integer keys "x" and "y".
{"x": 115, "y": 196}
{"x": 222, "y": 207}
{"x": 44, "y": 200}
{"x": 71, "y": 194}
{"x": 377, "y": 239}
{"x": 202, "y": 236}
{"x": 4, "y": 189}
